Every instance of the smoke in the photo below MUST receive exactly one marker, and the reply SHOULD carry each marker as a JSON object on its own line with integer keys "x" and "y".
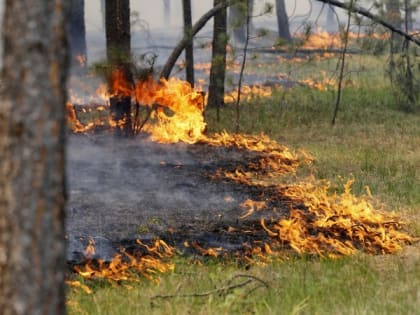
{"x": 123, "y": 189}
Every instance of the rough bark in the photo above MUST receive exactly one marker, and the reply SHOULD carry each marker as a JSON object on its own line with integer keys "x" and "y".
{"x": 189, "y": 49}
{"x": 78, "y": 36}
{"x": 32, "y": 191}
{"x": 218, "y": 62}
{"x": 282, "y": 21}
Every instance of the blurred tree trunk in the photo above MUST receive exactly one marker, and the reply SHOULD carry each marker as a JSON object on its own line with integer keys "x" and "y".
{"x": 78, "y": 36}
{"x": 189, "y": 49}
{"x": 118, "y": 46}
{"x": 237, "y": 19}
{"x": 32, "y": 134}
{"x": 393, "y": 16}
{"x": 218, "y": 62}
{"x": 282, "y": 21}
{"x": 167, "y": 12}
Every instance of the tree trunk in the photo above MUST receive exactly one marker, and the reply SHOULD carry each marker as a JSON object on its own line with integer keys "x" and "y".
{"x": 173, "y": 57}
{"x": 282, "y": 21}
{"x": 32, "y": 134}
{"x": 218, "y": 62}
{"x": 237, "y": 17}
{"x": 118, "y": 33}
{"x": 118, "y": 44}
{"x": 189, "y": 49}
{"x": 78, "y": 36}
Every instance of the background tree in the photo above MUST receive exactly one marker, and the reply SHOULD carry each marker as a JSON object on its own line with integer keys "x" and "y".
{"x": 282, "y": 21}
{"x": 32, "y": 132}
{"x": 189, "y": 49}
{"x": 237, "y": 19}
{"x": 78, "y": 36}
{"x": 218, "y": 61}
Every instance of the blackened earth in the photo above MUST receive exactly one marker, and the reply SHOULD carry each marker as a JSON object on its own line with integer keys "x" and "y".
{"x": 123, "y": 189}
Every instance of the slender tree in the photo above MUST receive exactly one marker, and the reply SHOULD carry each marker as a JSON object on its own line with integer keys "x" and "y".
{"x": 237, "y": 19}
{"x": 218, "y": 62}
{"x": 32, "y": 190}
{"x": 118, "y": 44}
{"x": 78, "y": 36}
{"x": 282, "y": 21}
{"x": 189, "y": 49}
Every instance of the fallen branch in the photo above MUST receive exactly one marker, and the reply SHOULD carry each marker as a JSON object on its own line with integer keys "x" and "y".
{"x": 362, "y": 11}
{"x": 229, "y": 287}
{"x": 167, "y": 68}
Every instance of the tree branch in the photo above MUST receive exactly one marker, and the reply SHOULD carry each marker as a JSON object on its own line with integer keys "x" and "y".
{"x": 373, "y": 17}
{"x": 167, "y": 68}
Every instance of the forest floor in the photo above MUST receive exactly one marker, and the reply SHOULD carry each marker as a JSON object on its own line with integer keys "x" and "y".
{"x": 373, "y": 141}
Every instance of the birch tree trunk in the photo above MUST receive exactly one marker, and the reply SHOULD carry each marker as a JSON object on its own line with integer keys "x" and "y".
{"x": 32, "y": 134}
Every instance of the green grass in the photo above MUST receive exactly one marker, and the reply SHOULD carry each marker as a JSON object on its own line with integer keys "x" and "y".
{"x": 373, "y": 142}
{"x": 355, "y": 285}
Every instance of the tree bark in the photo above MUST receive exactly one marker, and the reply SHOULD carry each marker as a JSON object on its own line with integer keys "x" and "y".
{"x": 118, "y": 33}
{"x": 118, "y": 44}
{"x": 218, "y": 62}
{"x": 283, "y": 21}
{"x": 189, "y": 49}
{"x": 32, "y": 134}
{"x": 78, "y": 36}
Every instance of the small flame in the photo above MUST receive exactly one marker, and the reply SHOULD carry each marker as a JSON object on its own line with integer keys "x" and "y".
{"x": 81, "y": 59}
{"x": 124, "y": 266}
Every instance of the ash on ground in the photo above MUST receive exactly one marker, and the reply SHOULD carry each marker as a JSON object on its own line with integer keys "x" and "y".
{"x": 121, "y": 190}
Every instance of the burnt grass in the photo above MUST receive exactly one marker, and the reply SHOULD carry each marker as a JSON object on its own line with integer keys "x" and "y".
{"x": 122, "y": 190}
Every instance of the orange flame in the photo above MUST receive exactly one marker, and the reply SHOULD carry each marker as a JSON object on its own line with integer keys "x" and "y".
{"x": 124, "y": 266}
{"x": 177, "y": 110}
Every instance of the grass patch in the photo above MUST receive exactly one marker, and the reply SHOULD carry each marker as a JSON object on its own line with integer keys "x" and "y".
{"x": 373, "y": 142}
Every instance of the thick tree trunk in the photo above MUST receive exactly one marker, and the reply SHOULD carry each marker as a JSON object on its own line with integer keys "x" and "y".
{"x": 282, "y": 21}
{"x": 218, "y": 62}
{"x": 118, "y": 44}
{"x": 78, "y": 36}
{"x": 189, "y": 49}
{"x": 32, "y": 123}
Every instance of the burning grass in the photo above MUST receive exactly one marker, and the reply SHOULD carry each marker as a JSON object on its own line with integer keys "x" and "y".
{"x": 321, "y": 222}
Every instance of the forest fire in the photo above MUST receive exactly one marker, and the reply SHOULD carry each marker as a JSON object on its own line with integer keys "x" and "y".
{"x": 145, "y": 260}
{"x": 318, "y": 222}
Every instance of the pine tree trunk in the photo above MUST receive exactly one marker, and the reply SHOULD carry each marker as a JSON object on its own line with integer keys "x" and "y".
{"x": 218, "y": 62}
{"x": 189, "y": 49}
{"x": 237, "y": 18}
{"x": 118, "y": 44}
{"x": 282, "y": 21}
{"x": 32, "y": 134}
{"x": 78, "y": 36}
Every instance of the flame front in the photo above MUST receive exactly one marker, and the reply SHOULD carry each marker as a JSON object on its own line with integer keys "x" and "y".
{"x": 177, "y": 110}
